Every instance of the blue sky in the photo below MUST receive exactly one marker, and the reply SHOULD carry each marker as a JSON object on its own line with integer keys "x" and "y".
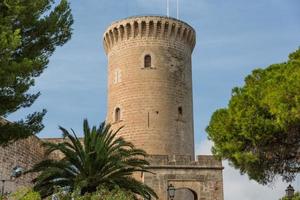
{"x": 233, "y": 38}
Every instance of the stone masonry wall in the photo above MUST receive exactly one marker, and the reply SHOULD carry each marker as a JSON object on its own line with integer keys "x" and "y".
{"x": 193, "y": 180}
{"x": 24, "y": 153}
{"x": 56, "y": 155}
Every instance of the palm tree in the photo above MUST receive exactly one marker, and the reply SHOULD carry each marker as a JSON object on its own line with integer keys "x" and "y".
{"x": 99, "y": 159}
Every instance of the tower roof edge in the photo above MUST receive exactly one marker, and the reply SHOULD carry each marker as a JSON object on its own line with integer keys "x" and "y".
{"x": 149, "y": 26}
{"x": 150, "y": 16}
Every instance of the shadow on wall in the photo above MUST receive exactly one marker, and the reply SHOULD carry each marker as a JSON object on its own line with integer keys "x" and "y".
{"x": 186, "y": 194}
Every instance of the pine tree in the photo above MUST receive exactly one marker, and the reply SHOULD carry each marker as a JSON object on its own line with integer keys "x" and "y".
{"x": 259, "y": 131}
{"x": 29, "y": 33}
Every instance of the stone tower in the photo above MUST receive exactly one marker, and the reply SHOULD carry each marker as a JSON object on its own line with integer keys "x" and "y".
{"x": 150, "y": 83}
{"x": 150, "y": 96}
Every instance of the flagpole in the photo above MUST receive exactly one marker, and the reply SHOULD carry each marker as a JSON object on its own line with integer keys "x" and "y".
{"x": 168, "y": 8}
{"x": 177, "y": 9}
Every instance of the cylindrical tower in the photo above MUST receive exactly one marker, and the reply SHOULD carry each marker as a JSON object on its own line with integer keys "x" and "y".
{"x": 150, "y": 83}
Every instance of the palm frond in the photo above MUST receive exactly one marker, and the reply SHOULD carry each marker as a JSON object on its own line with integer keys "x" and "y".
{"x": 100, "y": 159}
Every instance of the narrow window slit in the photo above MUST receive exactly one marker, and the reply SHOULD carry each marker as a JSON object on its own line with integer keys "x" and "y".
{"x": 180, "y": 112}
{"x": 117, "y": 114}
{"x": 148, "y": 119}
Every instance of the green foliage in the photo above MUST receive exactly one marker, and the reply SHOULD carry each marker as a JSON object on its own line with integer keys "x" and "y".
{"x": 100, "y": 159}
{"x": 25, "y": 194}
{"x": 101, "y": 194}
{"x": 296, "y": 197}
{"x": 259, "y": 131}
{"x": 114, "y": 194}
{"x": 29, "y": 33}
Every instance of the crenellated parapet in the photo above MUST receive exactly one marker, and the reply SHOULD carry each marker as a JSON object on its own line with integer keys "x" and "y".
{"x": 184, "y": 161}
{"x": 149, "y": 28}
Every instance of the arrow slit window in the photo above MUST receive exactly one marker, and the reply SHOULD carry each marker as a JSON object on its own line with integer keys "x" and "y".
{"x": 117, "y": 114}
{"x": 117, "y": 78}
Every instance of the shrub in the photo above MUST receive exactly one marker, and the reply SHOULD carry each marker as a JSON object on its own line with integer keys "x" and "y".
{"x": 101, "y": 194}
{"x": 296, "y": 197}
{"x": 24, "y": 194}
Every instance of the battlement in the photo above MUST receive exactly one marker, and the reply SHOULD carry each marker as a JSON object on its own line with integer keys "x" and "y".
{"x": 183, "y": 161}
{"x": 149, "y": 28}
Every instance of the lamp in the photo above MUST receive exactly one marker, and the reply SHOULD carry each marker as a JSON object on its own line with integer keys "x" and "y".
{"x": 54, "y": 197}
{"x": 290, "y": 192}
{"x": 17, "y": 172}
{"x": 171, "y": 191}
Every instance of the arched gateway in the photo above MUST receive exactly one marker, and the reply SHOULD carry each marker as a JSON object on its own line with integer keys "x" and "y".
{"x": 186, "y": 194}
{"x": 186, "y": 189}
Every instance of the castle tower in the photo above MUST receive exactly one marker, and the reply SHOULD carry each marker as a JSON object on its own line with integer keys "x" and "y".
{"x": 150, "y": 83}
{"x": 150, "y": 96}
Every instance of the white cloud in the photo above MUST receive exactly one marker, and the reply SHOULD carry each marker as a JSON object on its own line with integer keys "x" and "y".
{"x": 204, "y": 147}
{"x": 239, "y": 187}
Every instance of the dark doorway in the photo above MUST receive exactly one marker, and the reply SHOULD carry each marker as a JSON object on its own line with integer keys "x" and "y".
{"x": 185, "y": 194}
